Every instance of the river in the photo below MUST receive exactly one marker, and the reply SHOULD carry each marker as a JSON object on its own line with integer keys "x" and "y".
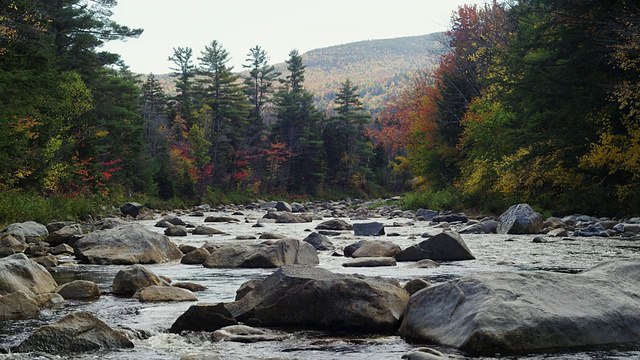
{"x": 147, "y": 323}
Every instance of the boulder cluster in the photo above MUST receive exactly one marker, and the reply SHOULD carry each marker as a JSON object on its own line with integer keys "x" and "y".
{"x": 482, "y": 314}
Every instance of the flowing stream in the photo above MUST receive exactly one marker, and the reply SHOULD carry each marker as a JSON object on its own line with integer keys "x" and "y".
{"x": 147, "y": 323}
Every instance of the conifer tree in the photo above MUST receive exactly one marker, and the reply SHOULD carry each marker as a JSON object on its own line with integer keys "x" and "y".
{"x": 185, "y": 72}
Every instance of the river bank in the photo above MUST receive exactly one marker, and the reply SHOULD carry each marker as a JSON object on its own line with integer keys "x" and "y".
{"x": 147, "y": 323}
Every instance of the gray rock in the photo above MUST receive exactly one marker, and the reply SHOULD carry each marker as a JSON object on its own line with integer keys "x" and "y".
{"x": 512, "y": 313}
{"x": 446, "y": 246}
{"x": 415, "y": 285}
{"x": 428, "y": 215}
{"x": 28, "y": 229}
{"x": 283, "y": 206}
{"x": 18, "y": 273}
{"x": 334, "y": 224}
{"x": 126, "y": 245}
{"x": 558, "y": 232}
{"x": 131, "y": 208}
{"x": 631, "y": 228}
{"x": 62, "y": 249}
{"x": 245, "y": 334}
{"x": 425, "y": 353}
{"x": 18, "y": 306}
{"x": 449, "y": 218}
{"x": 309, "y": 297}
{"x": 175, "y": 230}
{"x": 272, "y": 236}
{"x": 156, "y": 293}
{"x": 592, "y": 230}
{"x": 77, "y": 332}
{"x": 205, "y": 230}
{"x": 63, "y": 235}
{"x": 368, "y": 229}
{"x": 282, "y": 252}
{"x": 203, "y": 317}
{"x": 297, "y": 208}
{"x": 168, "y": 221}
{"x": 289, "y": 218}
{"x": 377, "y": 249}
{"x": 128, "y": 281}
{"x": 79, "y": 290}
{"x": 485, "y": 227}
{"x": 371, "y": 262}
{"x": 352, "y": 248}
{"x": 319, "y": 242}
{"x": 221, "y": 219}
{"x": 520, "y": 219}
{"x": 109, "y": 223}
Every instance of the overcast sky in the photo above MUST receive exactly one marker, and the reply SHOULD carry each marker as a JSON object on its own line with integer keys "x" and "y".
{"x": 278, "y": 26}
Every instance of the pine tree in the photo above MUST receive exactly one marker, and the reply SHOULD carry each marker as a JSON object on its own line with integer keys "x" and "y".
{"x": 224, "y": 106}
{"x": 259, "y": 88}
{"x": 185, "y": 72}
{"x": 298, "y": 126}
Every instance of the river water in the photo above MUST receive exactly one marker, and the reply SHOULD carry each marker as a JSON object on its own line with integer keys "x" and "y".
{"x": 147, "y": 323}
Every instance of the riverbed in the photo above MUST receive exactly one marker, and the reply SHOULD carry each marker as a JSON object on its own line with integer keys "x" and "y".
{"x": 147, "y": 323}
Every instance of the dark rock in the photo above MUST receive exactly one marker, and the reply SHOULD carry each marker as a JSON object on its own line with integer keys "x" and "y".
{"x": 48, "y": 261}
{"x": 446, "y": 246}
{"x": 63, "y": 235}
{"x": 329, "y": 233}
{"x": 289, "y": 218}
{"x": 77, "y": 332}
{"x": 485, "y": 227}
{"x": 186, "y": 248}
{"x": 168, "y": 221}
{"x": 175, "y": 230}
{"x": 368, "y": 229}
{"x": 310, "y": 297}
{"x": 245, "y": 237}
{"x": 592, "y": 230}
{"x": 128, "y": 281}
{"x": 449, "y": 218}
{"x": 223, "y": 219}
{"x": 350, "y": 249}
{"x": 203, "y": 317}
{"x": 190, "y": 286}
{"x": 520, "y": 219}
{"x": 283, "y": 206}
{"x": 319, "y": 242}
{"x": 297, "y": 208}
{"x": 245, "y": 334}
{"x": 205, "y": 230}
{"x": 131, "y": 208}
{"x": 272, "y": 236}
{"x": 126, "y": 245}
{"x": 428, "y": 215}
{"x": 334, "y": 224}
{"x": 196, "y": 257}
{"x": 415, "y": 285}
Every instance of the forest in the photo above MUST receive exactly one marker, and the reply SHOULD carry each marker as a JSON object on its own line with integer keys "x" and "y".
{"x": 533, "y": 101}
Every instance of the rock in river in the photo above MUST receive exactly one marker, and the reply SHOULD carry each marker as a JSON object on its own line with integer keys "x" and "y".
{"x": 77, "y": 332}
{"x": 446, "y": 246}
{"x": 282, "y": 252}
{"x": 18, "y": 273}
{"x": 126, "y": 245}
{"x": 310, "y": 297}
{"x": 520, "y": 219}
{"x": 507, "y": 313}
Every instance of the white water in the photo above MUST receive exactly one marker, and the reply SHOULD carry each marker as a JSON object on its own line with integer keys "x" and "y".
{"x": 148, "y": 323}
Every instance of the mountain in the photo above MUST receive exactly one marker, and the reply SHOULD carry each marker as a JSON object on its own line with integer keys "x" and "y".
{"x": 380, "y": 68}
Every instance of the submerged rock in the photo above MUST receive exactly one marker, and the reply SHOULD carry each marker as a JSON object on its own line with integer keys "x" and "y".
{"x": 510, "y": 313}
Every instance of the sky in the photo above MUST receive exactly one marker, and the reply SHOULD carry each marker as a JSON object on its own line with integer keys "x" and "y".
{"x": 277, "y": 26}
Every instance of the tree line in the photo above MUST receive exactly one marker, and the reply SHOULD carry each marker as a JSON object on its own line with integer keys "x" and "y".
{"x": 535, "y": 101}
{"x": 75, "y": 121}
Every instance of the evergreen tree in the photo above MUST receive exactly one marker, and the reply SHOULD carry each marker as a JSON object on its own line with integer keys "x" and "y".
{"x": 259, "y": 87}
{"x": 153, "y": 104}
{"x": 185, "y": 72}
{"x": 347, "y": 145}
{"x": 224, "y": 106}
{"x": 299, "y": 127}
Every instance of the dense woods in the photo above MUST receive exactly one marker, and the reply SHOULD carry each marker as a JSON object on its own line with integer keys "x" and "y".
{"x": 532, "y": 100}
{"x": 535, "y": 101}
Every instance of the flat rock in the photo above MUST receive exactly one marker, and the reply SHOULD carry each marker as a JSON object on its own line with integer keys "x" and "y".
{"x": 334, "y": 224}
{"x": 522, "y": 312}
{"x": 126, "y": 245}
{"x": 282, "y": 252}
{"x": 370, "y": 262}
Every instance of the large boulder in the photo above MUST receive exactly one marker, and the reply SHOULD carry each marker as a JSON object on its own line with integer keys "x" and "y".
{"x": 77, "y": 332}
{"x": 282, "y": 252}
{"x": 28, "y": 229}
{"x": 128, "y": 281}
{"x": 203, "y": 317}
{"x": 310, "y": 297}
{"x": 18, "y": 273}
{"x": 520, "y": 219}
{"x": 63, "y": 235}
{"x": 126, "y": 245}
{"x": 446, "y": 246}
{"x": 17, "y": 306}
{"x": 283, "y": 206}
{"x": 521, "y": 312}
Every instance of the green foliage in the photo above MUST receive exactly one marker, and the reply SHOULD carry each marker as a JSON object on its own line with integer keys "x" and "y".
{"x": 446, "y": 199}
